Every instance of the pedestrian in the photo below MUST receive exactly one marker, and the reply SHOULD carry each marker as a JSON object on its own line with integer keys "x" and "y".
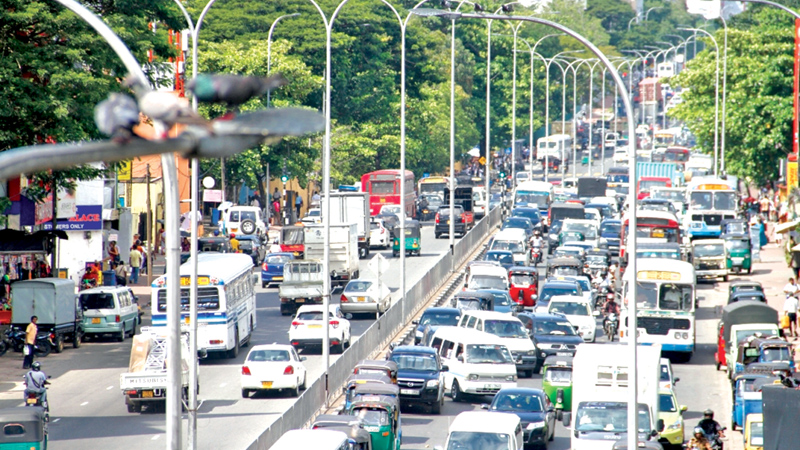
{"x": 315, "y": 199}
{"x": 136, "y": 263}
{"x": 113, "y": 252}
{"x": 276, "y": 195}
{"x": 276, "y": 212}
{"x": 30, "y": 342}
{"x": 185, "y": 245}
{"x": 790, "y": 306}
{"x": 298, "y": 203}
{"x": 234, "y": 243}
{"x": 122, "y": 274}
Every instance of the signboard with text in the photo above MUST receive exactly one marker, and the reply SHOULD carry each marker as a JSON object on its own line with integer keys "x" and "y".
{"x": 791, "y": 174}
{"x": 86, "y": 218}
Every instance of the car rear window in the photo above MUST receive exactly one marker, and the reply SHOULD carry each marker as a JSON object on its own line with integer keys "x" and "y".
{"x": 97, "y": 301}
{"x": 282, "y": 259}
{"x": 268, "y": 355}
{"x": 357, "y": 286}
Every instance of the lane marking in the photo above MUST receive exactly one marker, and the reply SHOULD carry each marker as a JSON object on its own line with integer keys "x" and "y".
{"x": 110, "y": 388}
{"x": 84, "y": 403}
{"x": 155, "y": 437}
{"x": 56, "y": 420}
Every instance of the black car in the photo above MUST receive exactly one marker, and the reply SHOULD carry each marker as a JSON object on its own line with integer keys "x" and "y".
{"x": 533, "y": 214}
{"x": 535, "y": 411}
{"x": 443, "y": 218}
{"x": 420, "y": 376}
{"x": 552, "y": 334}
{"x": 435, "y": 317}
{"x": 250, "y": 244}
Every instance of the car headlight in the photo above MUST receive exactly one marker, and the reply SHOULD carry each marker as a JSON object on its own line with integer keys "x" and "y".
{"x": 432, "y": 384}
{"x": 472, "y": 377}
{"x": 677, "y": 425}
{"x": 535, "y": 425}
{"x": 418, "y": 334}
{"x": 511, "y": 378}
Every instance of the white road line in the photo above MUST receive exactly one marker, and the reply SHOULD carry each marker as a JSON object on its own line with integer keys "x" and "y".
{"x": 223, "y": 384}
{"x": 84, "y": 403}
{"x": 155, "y": 437}
{"x": 110, "y": 388}
{"x": 56, "y": 420}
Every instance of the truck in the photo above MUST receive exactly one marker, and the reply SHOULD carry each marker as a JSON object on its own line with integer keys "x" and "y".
{"x": 145, "y": 382}
{"x": 343, "y": 250}
{"x": 660, "y": 170}
{"x": 53, "y": 301}
{"x": 462, "y": 197}
{"x": 351, "y": 207}
{"x": 650, "y": 90}
{"x": 600, "y": 392}
{"x": 740, "y": 320}
{"x": 592, "y": 187}
{"x": 778, "y": 429}
{"x": 710, "y": 259}
{"x": 302, "y": 285}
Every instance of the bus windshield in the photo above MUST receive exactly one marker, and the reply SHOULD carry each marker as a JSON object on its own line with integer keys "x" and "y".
{"x": 537, "y": 198}
{"x": 382, "y": 187}
{"x": 432, "y": 188}
{"x": 701, "y": 200}
{"x": 666, "y": 297}
{"x": 725, "y": 201}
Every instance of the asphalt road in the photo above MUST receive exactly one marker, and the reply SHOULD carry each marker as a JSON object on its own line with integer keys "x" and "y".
{"x": 88, "y": 409}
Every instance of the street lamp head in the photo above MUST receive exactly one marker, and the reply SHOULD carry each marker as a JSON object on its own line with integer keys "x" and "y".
{"x": 430, "y": 12}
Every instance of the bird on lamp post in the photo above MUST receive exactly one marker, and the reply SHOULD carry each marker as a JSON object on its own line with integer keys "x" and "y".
{"x": 164, "y": 106}
{"x": 232, "y": 90}
{"x": 116, "y": 116}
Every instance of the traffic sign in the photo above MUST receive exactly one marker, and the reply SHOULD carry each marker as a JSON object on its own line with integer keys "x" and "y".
{"x": 378, "y": 264}
{"x": 482, "y": 160}
{"x": 508, "y": 151}
{"x": 284, "y": 178}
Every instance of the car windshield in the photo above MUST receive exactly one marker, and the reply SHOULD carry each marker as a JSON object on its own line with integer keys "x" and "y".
{"x": 741, "y": 334}
{"x": 549, "y": 291}
{"x": 666, "y": 403}
{"x": 501, "y": 299}
{"x": 654, "y": 206}
{"x": 488, "y": 354}
{"x": 447, "y": 319}
{"x": 468, "y": 304}
{"x": 675, "y": 297}
{"x": 645, "y": 185}
{"x": 528, "y": 198}
{"x": 771, "y": 354}
{"x": 558, "y": 375}
{"x": 517, "y": 222}
{"x": 706, "y": 250}
{"x": 597, "y": 259}
{"x": 372, "y": 417}
{"x": 608, "y": 417}
{"x": 358, "y": 286}
{"x": 735, "y": 228}
{"x": 486, "y": 282}
{"x": 393, "y": 209}
{"x": 502, "y": 258}
{"x": 268, "y": 355}
{"x": 463, "y": 440}
{"x": 587, "y": 230}
{"x": 310, "y": 315}
{"x": 313, "y": 213}
{"x": 415, "y": 362}
{"x": 658, "y": 254}
{"x": 553, "y": 328}
{"x": 505, "y": 328}
{"x": 278, "y": 259}
{"x": 517, "y": 402}
{"x": 665, "y": 374}
{"x": 737, "y": 244}
{"x": 512, "y": 246}
{"x": 570, "y": 308}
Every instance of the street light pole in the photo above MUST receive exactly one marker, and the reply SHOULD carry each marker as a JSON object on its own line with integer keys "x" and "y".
{"x": 716, "y": 96}
{"x": 269, "y": 50}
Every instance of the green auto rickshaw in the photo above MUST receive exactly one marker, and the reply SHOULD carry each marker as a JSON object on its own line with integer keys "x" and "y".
{"x": 739, "y": 256}
{"x": 358, "y": 379}
{"x": 413, "y": 241}
{"x": 23, "y": 428}
{"x": 381, "y": 417}
{"x": 557, "y": 382}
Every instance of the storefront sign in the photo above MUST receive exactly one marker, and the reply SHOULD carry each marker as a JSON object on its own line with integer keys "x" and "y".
{"x": 212, "y": 195}
{"x": 87, "y": 217}
{"x": 791, "y": 174}
{"x": 124, "y": 171}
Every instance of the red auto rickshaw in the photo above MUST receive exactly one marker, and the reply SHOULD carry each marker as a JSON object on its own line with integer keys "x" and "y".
{"x": 523, "y": 285}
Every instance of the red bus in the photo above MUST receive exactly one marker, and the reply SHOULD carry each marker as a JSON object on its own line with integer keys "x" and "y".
{"x": 383, "y": 187}
{"x": 651, "y": 225}
{"x": 678, "y": 155}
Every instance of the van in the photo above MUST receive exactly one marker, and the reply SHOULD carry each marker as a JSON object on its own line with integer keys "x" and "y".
{"x": 318, "y": 439}
{"x": 480, "y": 363}
{"x": 109, "y": 310}
{"x": 486, "y": 275}
{"x": 514, "y": 334}
{"x": 514, "y": 240}
{"x": 243, "y": 219}
{"x": 485, "y": 430}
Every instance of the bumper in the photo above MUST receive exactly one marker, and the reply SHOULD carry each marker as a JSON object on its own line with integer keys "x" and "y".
{"x": 312, "y": 342}
{"x": 269, "y": 278}
{"x": 485, "y": 388}
{"x": 459, "y": 228}
{"x": 715, "y": 273}
{"x": 674, "y": 437}
{"x": 534, "y": 436}
{"x": 525, "y": 362}
{"x": 277, "y": 382}
{"x": 359, "y": 307}
{"x": 112, "y": 327}
{"x": 685, "y": 348}
{"x": 425, "y": 395}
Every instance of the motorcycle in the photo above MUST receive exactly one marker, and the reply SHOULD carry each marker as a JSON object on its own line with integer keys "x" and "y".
{"x": 35, "y": 399}
{"x": 536, "y": 255}
{"x": 611, "y": 325}
{"x": 15, "y": 338}
{"x": 715, "y": 440}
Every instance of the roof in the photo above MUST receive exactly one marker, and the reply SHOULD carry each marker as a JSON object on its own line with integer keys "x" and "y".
{"x": 745, "y": 283}
{"x": 474, "y": 294}
{"x": 485, "y": 421}
{"x": 360, "y": 378}
{"x": 747, "y": 312}
{"x": 566, "y": 205}
{"x": 558, "y": 360}
{"x": 563, "y": 262}
{"x": 468, "y": 334}
{"x": 683, "y": 268}
{"x": 657, "y": 246}
{"x": 319, "y": 438}
{"x": 377, "y": 389}
{"x": 491, "y": 315}
{"x": 441, "y": 309}
{"x": 511, "y": 233}
{"x": 414, "y": 348}
{"x": 224, "y": 266}
{"x": 54, "y": 282}
{"x": 526, "y": 269}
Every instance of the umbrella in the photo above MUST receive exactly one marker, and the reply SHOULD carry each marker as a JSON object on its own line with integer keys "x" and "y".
{"x": 796, "y": 248}
{"x": 786, "y": 226}
{"x": 475, "y": 152}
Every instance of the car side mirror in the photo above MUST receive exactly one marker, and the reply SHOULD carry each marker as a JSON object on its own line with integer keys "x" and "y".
{"x": 596, "y": 313}
{"x": 659, "y": 426}
{"x": 676, "y": 380}
{"x": 460, "y": 358}
{"x": 566, "y": 418}
{"x": 445, "y": 368}
{"x": 684, "y": 408}
{"x": 415, "y": 322}
{"x": 348, "y": 316}
{"x": 303, "y": 358}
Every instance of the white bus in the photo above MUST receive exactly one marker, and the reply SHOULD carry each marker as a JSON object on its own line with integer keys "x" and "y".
{"x": 530, "y": 193}
{"x": 226, "y": 301}
{"x": 557, "y": 146}
{"x": 665, "y": 302}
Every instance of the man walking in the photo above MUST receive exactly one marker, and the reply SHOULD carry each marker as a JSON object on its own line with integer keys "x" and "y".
{"x": 298, "y": 203}
{"x": 30, "y": 341}
{"x": 790, "y": 307}
{"x": 136, "y": 263}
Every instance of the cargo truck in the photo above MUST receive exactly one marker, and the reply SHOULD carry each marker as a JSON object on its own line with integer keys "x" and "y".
{"x": 343, "y": 250}
{"x": 600, "y": 393}
{"x": 302, "y": 285}
{"x": 351, "y": 207}
{"x": 53, "y": 302}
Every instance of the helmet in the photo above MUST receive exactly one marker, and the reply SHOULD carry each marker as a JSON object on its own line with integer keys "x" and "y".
{"x": 708, "y": 413}
{"x": 216, "y": 232}
{"x": 537, "y": 233}
{"x": 36, "y": 366}
{"x": 698, "y": 430}
{"x": 233, "y": 236}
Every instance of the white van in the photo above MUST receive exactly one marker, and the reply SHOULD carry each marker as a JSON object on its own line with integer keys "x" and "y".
{"x": 479, "y": 363}
{"x": 479, "y": 202}
{"x": 485, "y": 430}
{"x": 109, "y": 310}
{"x": 318, "y": 439}
{"x": 488, "y": 275}
{"x": 514, "y": 240}
{"x": 514, "y": 334}
{"x": 243, "y": 219}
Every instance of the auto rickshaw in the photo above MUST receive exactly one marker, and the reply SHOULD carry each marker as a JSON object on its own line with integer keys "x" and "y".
{"x": 764, "y": 354}
{"x": 598, "y": 259}
{"x": 381, "y": 416}
{"x": 473, "y": 300}
{"x": 388, "y": 368}
{"x": 734, "y": 226}
{"x": 557, "y": 382}
{"x": 523, "y": 285}
{"x": 754, "y": 432}
{"x": 23, "y": 428}
{"x": 358, "y": 379}
{"x": 357, "y": 437}
{"x": 564, "y": 267}
{"x": 390, "y": 390}
{"x": 744, "y": 285}
{"x": 413, "y": 240}
{"x": 746, "y": 396}
{"x": 739, "y": 248}
{"x": 293, "y": 240}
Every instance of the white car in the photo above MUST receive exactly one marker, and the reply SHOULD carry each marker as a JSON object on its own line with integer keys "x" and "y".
{"x": 393, "y": 209}
{"x": 379, "y": 235}
{"x": 621, "y": 155}
{"x": 313, "y": 216}
{"x": 364, "y": 296}
{"x": 273, "y": 367}
{"x": 578, "y": 312}
{"x": 307, "y": 329}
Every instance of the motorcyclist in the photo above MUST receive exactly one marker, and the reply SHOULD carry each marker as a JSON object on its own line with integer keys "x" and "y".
{"x": 422, "y": 205}
{"x": 699, "y": 441}
{"x": 610, "y": 307}
{"x": 35, "y": 381}
{"x": 537, "y": 240}
{"x": 711, "y": 427}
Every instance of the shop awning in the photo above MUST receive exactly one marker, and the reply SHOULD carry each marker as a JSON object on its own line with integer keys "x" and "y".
{"x": 786, "y": 226}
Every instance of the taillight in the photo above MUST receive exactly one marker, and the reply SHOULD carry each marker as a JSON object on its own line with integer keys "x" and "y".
{"x": 53, "y": 335}
{"x": 343, "y": 299}
{"x": 246, "y": 370}
{"x": 264, "y": 267}
{"x": 116, "y": 319}
{"x": 334, "y": 323}
{"x": 289, "y": 370}
{"x": 437, "y": 217}
{"x": 296, "y": 323}
{"x": 463, "y": 219}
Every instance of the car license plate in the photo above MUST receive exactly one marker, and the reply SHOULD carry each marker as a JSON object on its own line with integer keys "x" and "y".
{"x": 737, "y": 260}
{"x": 491, "y": 386}
{"x": 95, "y": 320}
{"x": 361, "y": 299}
{"x": 147, "y": 394}
{"x": 300, "y": 300}
{"x": 31, "y": 401}
{"x": 315, "y": 326}
{"x": 277, "y": 278}
{"x": 266, "y": 384}
{"x": 409, "y": 392}
{"x": 563, "y": 354}
{"x": 296, "y": 253}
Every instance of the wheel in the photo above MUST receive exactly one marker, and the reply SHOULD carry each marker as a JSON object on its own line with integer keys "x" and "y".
{"x": 303, "y": 385}
{"x": 121, "y": 336}
{"x": 234, "y": 352}
{"x": 527, "y": 373}
{"x": 263, "y": 285}
{"x": 394, "y": 254}
{"x": 133, "y": 329}
{"x": 437, "y": 235}
{"x": 537, "y": 368}
{"x": 716, "y": 363}
{"x": 436, "y": 408}
{"x": 58, "y": 345}
{"x": 455, "y": 392}
{"x": 748, "y": 270}
{"x": 245, "y": 393}
{"x": 3, "y": 348}
{"x": 725, "y": 278}
{"x": 248, "y": 226}
{"x": 43, "y": 349}
{"x": 294, "y": 392}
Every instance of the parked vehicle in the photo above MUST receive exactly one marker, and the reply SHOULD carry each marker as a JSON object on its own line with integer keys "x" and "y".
{"x": 273, "y": 367}
{"x": 272, "y": 268}
{"x": 343, "y": 246}
{"x": 420, "y": 375}
{"x": 365, "y": 296}
{"x": 109, "y": 310}
{"x": 14, "y": 338}
{"x": 53, "y": 301}
{"x": 306, "y": 329}
{"x": 242, "y": 219}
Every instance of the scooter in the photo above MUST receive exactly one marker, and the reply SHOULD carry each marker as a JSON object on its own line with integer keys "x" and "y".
{"x": 610, "y": 328}
{"x": 536, "y": 255}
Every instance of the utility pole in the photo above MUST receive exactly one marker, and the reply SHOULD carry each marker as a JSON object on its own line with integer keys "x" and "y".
{"x": 149, "y": 233}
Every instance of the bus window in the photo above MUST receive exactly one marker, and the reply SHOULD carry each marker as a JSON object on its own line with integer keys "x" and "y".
{"x": 646, "y": 295}
{"x": 701, "y": 200}
{"x": 724, "y": 201}
{"x": 675, "y": 298}
{"x": 382, "y": 187}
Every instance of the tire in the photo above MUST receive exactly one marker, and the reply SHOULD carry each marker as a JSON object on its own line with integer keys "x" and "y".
{"x": 725, "y": 278}
{"x": 716, "y": 363}
{"x": 234, "y": 352}
{"x": 537, "y": 368}
{"x": 437, "y": 235}
{"x": 77, "y": 340}
{"x": 455, "y": 393}
{"x": 263, "y": 285}
{"x": 436, "y": 408}
{"x": 305, "y": 379}
{"x": 527, "y": 374}
{"x": 247, "y": 226}
{"x": 749, "y": 269}
{"x": 245, "y": 393}
{"x": 58, "y": 346}
{"x": 3, "y": 348}
{"x": 294, "y": 392}
{"x": 121, "y": 336}
{"x": 44, "y": 349}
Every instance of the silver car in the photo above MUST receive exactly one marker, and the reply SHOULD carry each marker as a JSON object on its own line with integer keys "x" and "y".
{"x": 364, "y": 296}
